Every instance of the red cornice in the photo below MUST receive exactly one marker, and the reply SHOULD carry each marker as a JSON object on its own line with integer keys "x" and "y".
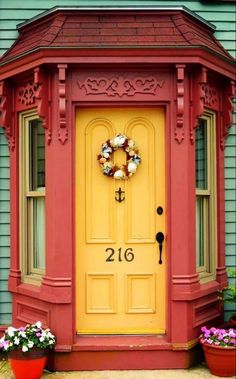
{"x": 145, "y": 55}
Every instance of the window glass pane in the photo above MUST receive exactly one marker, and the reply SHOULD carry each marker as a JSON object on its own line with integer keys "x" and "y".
{"x": 39, "y": 232}
{"x": 200, "y": 231}
{"x": 36, "y": 155}
{"x": 201, "y": 155}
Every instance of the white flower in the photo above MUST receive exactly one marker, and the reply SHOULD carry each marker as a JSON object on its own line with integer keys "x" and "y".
{"x": 38, "y": 324}
{"x": 24, "y": 348}
{"x": 42, "y": 338}
{"x": 119, "y": 174}
{"x": 30, "y": 344}
{"x": 132, "y": 167}
{"x": 16, "y": 341}
{"x": 22, "y": 334}
{"x": 106, "y": 155}
{"x": 11, "y": 331}
{"x": 119, "y": 140}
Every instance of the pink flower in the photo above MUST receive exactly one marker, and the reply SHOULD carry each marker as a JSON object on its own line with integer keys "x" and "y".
{"x": 22, "y": 329}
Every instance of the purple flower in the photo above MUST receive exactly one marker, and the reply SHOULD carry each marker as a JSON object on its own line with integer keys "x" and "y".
{"x": 22, "y": 329}
{"x": 38, "y": 334}
{"x": 213, "y": 330}
{"x": 218, "y": 337}
{"x": 232, "y": 333}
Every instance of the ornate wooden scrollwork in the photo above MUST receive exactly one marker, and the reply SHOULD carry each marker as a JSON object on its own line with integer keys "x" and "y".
{"x": 26, "y": 94}
{"x": 6, "y": 113}
{"x": 211, "y": 95}
{"x": 121, "y": 86}
{"x": 198, "y": 98}
{"x": 63, "y": 128}
{"x": 179, "y": 129}
{"x": 42, "y": 99}
{"x": 227, "y": 111}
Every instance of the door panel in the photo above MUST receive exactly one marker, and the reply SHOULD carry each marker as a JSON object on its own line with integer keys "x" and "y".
{"x": 120, "y": 284}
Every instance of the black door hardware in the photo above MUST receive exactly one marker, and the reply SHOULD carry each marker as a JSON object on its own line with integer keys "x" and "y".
{"x": 160, "y": 238}
{"x": 120, "y": 193}
{"x": 159, "y": 210}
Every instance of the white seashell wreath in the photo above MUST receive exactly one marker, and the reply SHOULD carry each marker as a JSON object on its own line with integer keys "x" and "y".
{"x": 109, "y": 168}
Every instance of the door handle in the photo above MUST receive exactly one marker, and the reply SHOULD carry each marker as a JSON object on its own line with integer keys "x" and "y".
{"x": 160, "y": 238}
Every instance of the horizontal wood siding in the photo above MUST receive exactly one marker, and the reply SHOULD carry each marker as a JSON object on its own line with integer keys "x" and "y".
{"x": 5, "y": 296}
{"x": 221, "y": 14}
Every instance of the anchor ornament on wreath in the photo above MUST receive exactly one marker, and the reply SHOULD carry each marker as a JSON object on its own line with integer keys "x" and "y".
{"x": 111, "y": 169}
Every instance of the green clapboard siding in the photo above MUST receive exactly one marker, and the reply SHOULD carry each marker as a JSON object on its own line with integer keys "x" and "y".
{"x": 221, "y": 14}
{"x": 5, "y": 297}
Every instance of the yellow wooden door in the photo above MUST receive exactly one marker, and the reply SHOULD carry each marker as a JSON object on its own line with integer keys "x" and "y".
{"x": 120, "y": 285}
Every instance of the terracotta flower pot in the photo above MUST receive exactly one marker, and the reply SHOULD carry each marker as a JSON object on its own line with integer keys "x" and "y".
{"x": 28, "y": 365}
{"x": 221, "y": 361}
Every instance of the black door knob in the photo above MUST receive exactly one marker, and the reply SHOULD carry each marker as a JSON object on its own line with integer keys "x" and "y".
{"x": 160, "y": 238}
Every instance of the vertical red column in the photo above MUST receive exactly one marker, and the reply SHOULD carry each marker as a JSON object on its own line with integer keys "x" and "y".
{"x": 181, "y": 237}
{"x": 57, "y": 283}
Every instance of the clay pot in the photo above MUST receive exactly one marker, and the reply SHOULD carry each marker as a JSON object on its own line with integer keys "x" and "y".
{"x": 221, "y": 361}
{"x": 28, "y": 365}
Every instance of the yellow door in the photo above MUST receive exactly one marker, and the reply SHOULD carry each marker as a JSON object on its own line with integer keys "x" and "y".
{"x": 120, "y": 284}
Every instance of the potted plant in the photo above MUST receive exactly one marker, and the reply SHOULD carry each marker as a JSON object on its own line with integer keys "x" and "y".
{"x": 219, "y": 346}
{"x": 27, "y": 349}
{"x": 228, "y": 295}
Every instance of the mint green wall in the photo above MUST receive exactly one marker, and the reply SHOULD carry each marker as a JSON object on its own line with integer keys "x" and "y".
{"x": 5, "y": 297}
{"x": 221, "y": 14}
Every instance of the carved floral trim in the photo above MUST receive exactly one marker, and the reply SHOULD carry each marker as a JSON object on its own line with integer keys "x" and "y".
{"x": 211, "y": 95}
{"x": 120, "y": 86}
{"x": 27, "y": 93}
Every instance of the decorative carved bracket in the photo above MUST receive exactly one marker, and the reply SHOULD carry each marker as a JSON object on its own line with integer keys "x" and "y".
{"x": 120, "y": 86}
{"x": 62, "y": 129}
{"x": 42, "y": 100}
{"x": 227, "y": 111}
{"x": 6, "y": 113}
{"x": 179, "y": 129}
{"x": 198, "y": 99}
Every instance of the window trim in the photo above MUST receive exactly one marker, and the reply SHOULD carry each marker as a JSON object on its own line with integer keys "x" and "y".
{"x": 29, "y": 274}
{"x": 207, "y": 272}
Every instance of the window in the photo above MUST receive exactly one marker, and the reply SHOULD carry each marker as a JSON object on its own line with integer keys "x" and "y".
{"x": 32, "y": 197}
{"x": 205, "y": 173}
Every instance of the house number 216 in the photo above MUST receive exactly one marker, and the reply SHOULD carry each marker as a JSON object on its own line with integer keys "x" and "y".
{"x": 120, "y": 255}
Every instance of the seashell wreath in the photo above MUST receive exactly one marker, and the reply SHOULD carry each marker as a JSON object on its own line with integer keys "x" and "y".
{"x": 111, "y": 169}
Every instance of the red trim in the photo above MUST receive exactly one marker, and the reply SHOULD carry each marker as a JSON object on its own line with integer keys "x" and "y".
{"x": 181, "y": 84}
{"x": 129, "y": 55}
{"x": 126, "y": 360}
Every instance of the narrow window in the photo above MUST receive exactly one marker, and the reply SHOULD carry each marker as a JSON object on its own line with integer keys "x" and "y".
{"x": 205, "y": 174}
{"x": 32, "y": 198}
